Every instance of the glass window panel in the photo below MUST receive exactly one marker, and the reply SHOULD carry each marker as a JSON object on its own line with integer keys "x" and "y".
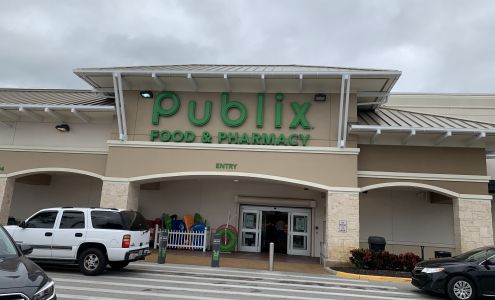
{"x": 249, "y": 239}
{"x": 299, "y": 242}
{"x": 72, "y": 220}
{"x": 299, "y": 223}
{"x": 249, "y": 220}
{"x": 107, "y": 220}
{"x": 44, "y": 219}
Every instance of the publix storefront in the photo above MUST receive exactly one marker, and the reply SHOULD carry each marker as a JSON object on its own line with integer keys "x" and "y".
{"x": 304, "y": 156}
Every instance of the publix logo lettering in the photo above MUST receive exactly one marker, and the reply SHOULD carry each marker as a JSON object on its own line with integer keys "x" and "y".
{"x": 298, "y": 121}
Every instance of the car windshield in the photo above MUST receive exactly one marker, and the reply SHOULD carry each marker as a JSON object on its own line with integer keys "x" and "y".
{"x": 476, "y": 255}
{"x": 7, "y": 248}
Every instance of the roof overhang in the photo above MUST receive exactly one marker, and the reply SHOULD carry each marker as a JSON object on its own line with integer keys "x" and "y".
{"x": 60, "y": 113}
{"x": 372, "y": 87}
{"x": 425, "y": 136}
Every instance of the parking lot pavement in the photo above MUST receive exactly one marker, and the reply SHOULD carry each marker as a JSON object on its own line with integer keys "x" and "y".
{"x": 152, "y": 281}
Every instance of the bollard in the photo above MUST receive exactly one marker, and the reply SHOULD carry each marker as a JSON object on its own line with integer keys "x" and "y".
{"x": 162, "y": 246}
{"x": 270, "y": 264}
{"x": 215, "y": 251}
{"x": 422, "y": 252}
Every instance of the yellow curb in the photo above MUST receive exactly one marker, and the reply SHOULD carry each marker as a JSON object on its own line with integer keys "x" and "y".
{"x": 372, "y": 277}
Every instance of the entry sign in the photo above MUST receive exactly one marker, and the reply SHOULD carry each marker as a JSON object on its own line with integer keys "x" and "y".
{"x": 162, "y": 246}
{"x": 343, "y": 226}
{"x": 215, "y": 253}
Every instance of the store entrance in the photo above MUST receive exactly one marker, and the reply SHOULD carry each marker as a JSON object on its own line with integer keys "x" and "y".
{"x": 288, "y": 228}
{"x": 274, "y": 230}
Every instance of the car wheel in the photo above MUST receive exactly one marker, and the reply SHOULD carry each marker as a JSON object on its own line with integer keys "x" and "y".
{"x": 92, "y": 262}
{"x": 461, "y": 288}
{"x": 118, "y": 265}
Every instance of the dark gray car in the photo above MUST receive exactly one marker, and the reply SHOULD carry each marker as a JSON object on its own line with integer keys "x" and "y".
{"x": 20, "y": 278}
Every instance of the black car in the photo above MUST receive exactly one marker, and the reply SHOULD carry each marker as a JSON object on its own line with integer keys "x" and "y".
{"x": 466, "y": 276}
{"x": 20, "y": 278}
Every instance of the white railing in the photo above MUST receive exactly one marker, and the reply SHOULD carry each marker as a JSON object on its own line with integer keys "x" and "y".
{"x": 193, "y": 240}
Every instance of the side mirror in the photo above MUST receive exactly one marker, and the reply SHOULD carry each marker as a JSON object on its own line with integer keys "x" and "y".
{"x": 23, "y": 224}
{"x": 25, "y": 249}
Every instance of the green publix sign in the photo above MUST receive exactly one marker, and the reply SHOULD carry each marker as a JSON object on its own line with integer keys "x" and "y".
{"x": 299, "y": 120}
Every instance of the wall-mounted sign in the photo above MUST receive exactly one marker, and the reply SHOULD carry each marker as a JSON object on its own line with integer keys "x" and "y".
{"x": 298, "y": 121}
{"x": 226, "y": 166}
{"x": 343, "y": 226}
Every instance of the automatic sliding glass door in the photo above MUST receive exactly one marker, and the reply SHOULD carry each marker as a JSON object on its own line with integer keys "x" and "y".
{"x": 299, "y": 233}
{"x": 250, "y": 233}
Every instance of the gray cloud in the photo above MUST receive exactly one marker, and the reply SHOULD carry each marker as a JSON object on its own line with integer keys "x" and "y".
{"x": 440, "y": 46}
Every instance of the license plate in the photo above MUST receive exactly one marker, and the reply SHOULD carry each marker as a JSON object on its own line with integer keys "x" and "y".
{"x": 133, "y": 255}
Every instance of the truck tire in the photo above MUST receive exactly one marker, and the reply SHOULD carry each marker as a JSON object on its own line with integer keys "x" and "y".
{"x": 92, "y": 262}
{"x": 461, "y": 288}
{"x": 118, "y": 265}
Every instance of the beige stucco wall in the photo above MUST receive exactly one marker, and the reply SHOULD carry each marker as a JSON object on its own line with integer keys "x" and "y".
{"x": 214, "y": 199}
{"x": 322, "y": 116}
{"x": 407, "y": 220}
{"x": 64, "y": 190}
{"x": 461, "y": 187}
{"x": 439, "y": 160}
{"x": 14, "y": 161}
{"x": 328, "y": 169}
{"x": 92, "y": 135}
{"x": 476, "y": 107}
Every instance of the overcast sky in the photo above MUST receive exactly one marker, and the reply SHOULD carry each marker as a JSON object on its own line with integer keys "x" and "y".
{"x": 440, "y": 46}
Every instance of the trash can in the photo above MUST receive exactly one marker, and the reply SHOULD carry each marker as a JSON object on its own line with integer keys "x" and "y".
{"x": 440, "y": 254}
{"x": 376, "y": 243}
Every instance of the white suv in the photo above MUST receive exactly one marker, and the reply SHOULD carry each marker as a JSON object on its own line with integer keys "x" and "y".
{"x": 90, "y": 237}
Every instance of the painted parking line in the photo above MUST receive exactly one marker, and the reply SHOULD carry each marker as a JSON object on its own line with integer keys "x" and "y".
{"x": 231, "y": 273}
{"x": 349, "y": 282}
{"x": 310, "y": 285}
{"x": 202, "y": 291}
{"x": 305, "y": 288}
{"x": 168, "y": 295}
{"x": 242, "y": 271}
{"x": 83, "y": 297}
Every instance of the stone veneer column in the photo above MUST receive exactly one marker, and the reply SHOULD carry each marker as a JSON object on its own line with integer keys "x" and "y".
{"x": 6, "y": 193}
{"x": 119, "y": 194}
{"x": 472, "y": 223}
{"x": 341, "y": 206}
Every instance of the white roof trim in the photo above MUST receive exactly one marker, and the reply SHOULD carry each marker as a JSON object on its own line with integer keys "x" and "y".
{"x": 57, "y": 107}
{"x": 222, "y": 73}
{"x": 408, "y": 129}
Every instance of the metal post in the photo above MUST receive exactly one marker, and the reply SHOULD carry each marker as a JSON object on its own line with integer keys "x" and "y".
{"x": 270, "y": 264}
{"x": 346, "y": 111}
{"x": 117, "y": 106}
{"x": 341, "y": 111}
{"x": 162, "y": 248}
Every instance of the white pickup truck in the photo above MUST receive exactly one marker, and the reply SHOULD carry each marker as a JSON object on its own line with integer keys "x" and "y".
{"x": 90, "y": 237}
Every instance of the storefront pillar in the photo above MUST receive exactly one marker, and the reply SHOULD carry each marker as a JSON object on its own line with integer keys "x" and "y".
{"x": 119, "y": 194}
{"x": 6, "y": 193}
{"x": 472, "y": 223}
{"x": 342, "y": 232}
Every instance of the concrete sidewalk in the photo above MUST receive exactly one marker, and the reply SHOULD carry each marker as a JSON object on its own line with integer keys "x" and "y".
{"x": 235, "y": 260}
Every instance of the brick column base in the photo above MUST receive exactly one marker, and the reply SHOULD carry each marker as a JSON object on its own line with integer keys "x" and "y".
{"x": 119, "y": 194}
{"x": 342, "y": 207}
{"x": 472, "y": 224}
